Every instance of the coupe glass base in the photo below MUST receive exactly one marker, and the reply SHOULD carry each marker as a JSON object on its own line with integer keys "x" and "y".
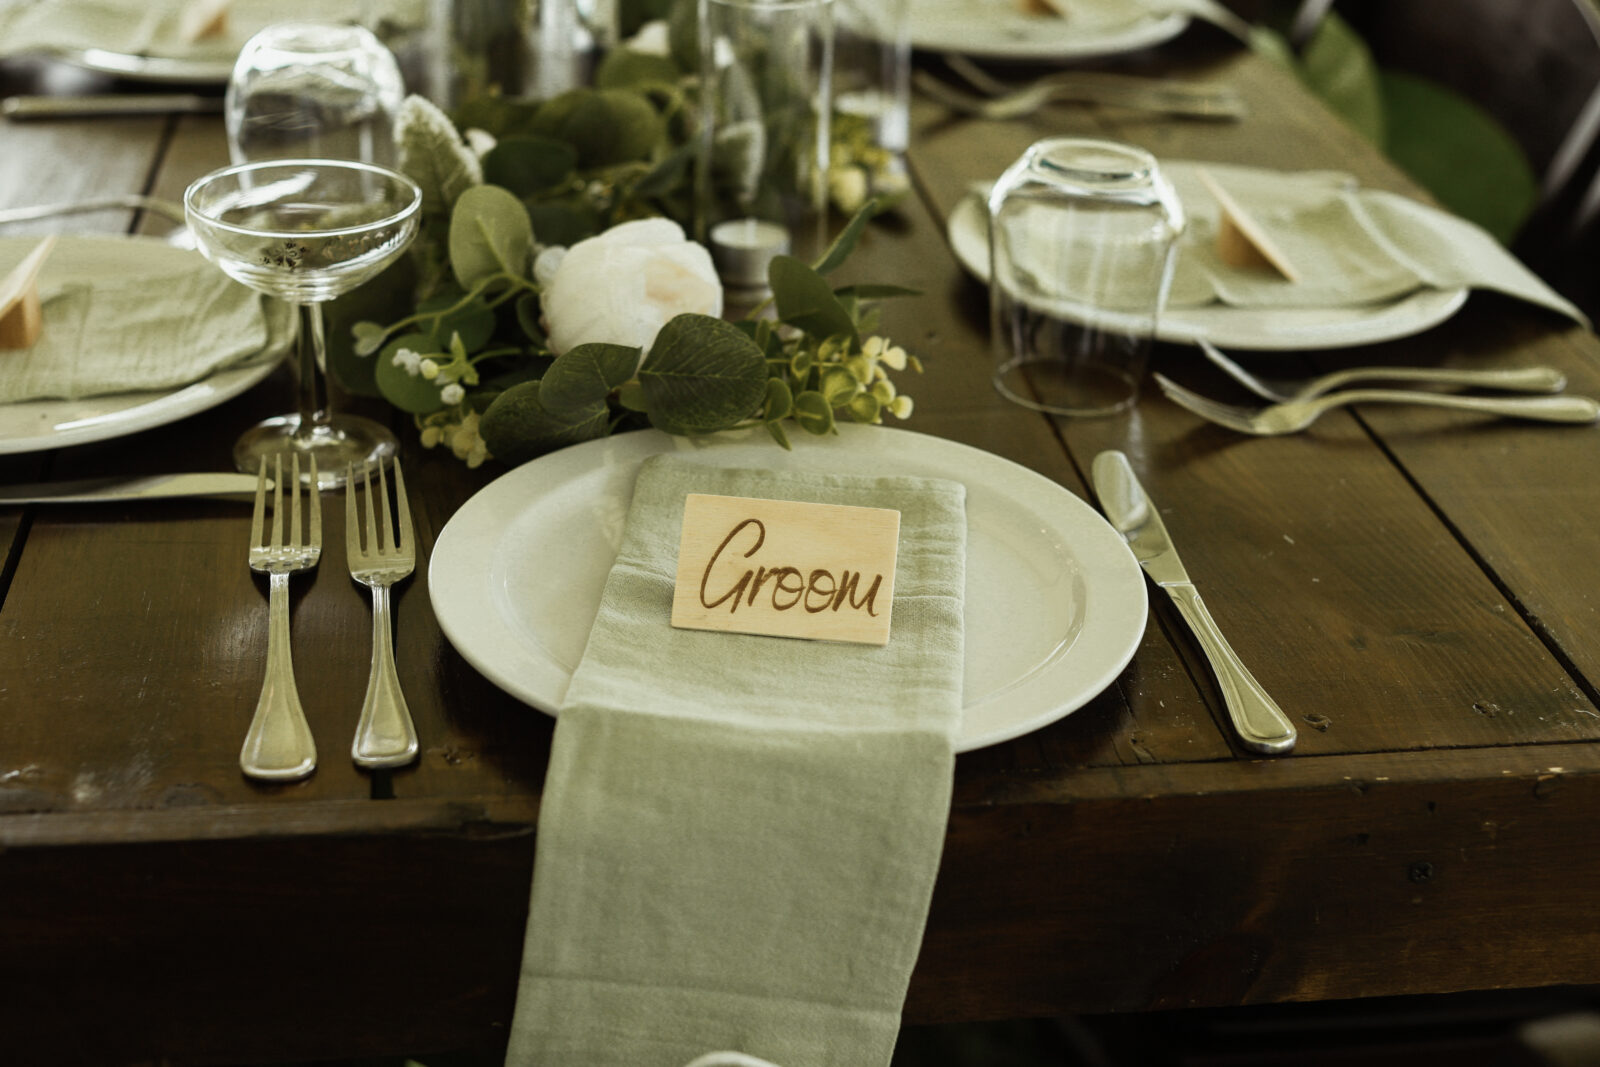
{"x": 345, "y": 440}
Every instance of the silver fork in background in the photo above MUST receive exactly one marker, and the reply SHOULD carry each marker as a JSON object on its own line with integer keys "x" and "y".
{"x": 1089, "y": 87}
{"x": 1517, "y": 380}
{"x": 385, "y": 734}
{"x": 1296, "y": 415}
{"x": 278, "y": 746}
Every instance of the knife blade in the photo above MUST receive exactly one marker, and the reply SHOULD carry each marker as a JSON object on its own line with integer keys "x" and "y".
{"x": 1260, "y": 723}
{"x": 148, "y": 487}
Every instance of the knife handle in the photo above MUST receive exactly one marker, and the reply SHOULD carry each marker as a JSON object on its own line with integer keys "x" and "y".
{"x": 1261, "y": 724}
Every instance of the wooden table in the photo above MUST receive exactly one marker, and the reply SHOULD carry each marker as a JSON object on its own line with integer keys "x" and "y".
{"x": 1417, "y": 588}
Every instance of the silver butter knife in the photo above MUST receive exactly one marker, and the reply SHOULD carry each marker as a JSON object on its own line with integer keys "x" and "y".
{"x": 1259, "y": 722}
{"x": 148, "y": 487}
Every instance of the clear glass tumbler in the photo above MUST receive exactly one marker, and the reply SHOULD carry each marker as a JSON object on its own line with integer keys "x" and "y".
{"x": 1082, "y": 236}
{"x": 313, "y": 90}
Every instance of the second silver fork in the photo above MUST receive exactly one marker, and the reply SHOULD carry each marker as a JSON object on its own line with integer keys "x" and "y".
{"x": 385, "y": 734}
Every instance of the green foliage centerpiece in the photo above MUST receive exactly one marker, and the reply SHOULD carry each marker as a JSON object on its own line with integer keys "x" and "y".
{"x": 553, "y": 298}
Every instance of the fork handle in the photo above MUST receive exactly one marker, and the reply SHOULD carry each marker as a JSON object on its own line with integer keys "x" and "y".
{"x": 278, "y": 746}
{"x": 1566, "y": 408}
{"x": 1260, "y": 723}
{"x": 1516, "y": 379}
{"x": 385, "y": 736}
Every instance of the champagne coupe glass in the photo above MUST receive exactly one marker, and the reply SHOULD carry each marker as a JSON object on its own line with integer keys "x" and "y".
{"x": 306, "y": 231}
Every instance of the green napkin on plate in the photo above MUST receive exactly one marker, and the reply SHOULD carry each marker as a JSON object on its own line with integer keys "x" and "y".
{"x": 739, "y": 834}
{"x": 131, "y": 314}
{"x": 1352, "y": 246}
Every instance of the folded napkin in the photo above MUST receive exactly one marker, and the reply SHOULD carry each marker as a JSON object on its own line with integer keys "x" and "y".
{"x": 1352, "y": 246}
{"x": 152, "y": 27}
{"x": 739, "y": 834}
{"x": 128, "y": 314}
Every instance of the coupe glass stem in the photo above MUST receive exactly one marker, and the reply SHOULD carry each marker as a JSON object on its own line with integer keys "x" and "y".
{"x": 311, "y": 349}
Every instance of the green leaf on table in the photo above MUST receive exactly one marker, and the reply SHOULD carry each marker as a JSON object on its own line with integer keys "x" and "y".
{"x": 703, "y": 374}
{"x": 353, "y": 315}
{"x": 474, "y": 323}
{"x": 586, "y": 374}
{"x": 624, "y": 68}
{"x": 490, "y": 233}
{"x": 528, "y": 313}
{"x": 565, "y": 221}
{"x": 780, "y": 400}
{"x": 516, "y": 427}
{"x": 604, "y": 126}
{"x": 667, "y": 173}
{"x": 813, "y": 412}
{"x": 845, "y": 243}
{"x": 866, "y": 408}
{"x": 806, "y": 302}
{"x": 432, "y": 154}
{"x": 526, "y": 164}
{"x": 1459, "y": 153}
{"x": 404, "y": 389}
{"x": 1339, "y": 68}
{"x": 839, "y": 386}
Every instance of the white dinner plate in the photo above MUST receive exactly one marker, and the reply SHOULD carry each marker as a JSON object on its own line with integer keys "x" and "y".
{"x": 1055, "y": 603}
{"x": 37, "y": 425}
{"x": 1000, "y": 29}
{"x": 1246, "y": 329}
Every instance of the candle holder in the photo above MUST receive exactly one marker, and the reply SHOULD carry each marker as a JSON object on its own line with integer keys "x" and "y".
{"x": 765, "y": 73}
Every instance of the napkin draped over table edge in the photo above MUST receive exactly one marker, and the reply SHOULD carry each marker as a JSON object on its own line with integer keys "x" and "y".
{"x": 739, "y": 834}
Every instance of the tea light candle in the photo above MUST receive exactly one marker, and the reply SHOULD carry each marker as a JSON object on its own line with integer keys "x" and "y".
{"x": 743, "y": 248}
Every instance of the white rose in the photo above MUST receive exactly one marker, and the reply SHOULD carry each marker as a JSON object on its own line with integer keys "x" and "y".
{"x": 653, "y": 39}
{"x": 622, "y": 286}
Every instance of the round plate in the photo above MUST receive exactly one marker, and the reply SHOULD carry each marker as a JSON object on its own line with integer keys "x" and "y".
{"x": 999, "y": 29}
{"x": 1055, "y": 603}
{"x": 37, "y": 425}
{"x": 1246, "y": 329}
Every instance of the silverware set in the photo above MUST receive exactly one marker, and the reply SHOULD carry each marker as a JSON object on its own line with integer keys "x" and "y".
{"x": 1293, "y": 408}
{"x": 278, "y": 745}
{"x": 988, "y": 97}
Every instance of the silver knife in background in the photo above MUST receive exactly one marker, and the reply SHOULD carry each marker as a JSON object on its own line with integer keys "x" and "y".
{"x": 1259, "y": 722}
{"x": 150, "y": 487}
{"x": 23, "y": 108}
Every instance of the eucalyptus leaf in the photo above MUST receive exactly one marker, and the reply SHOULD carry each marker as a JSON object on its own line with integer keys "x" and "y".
{"x": 632, "y": 397}
{"x": 813, "y": 412}
{"x": 528, "y": 312}
{"x": 839, "y": 386}
{"x": 526, "y": 164}
{"x": 473, "y": 323}
{"x": 866, "y": 408}
{"x": 624, "y": 68}
{"x": 564, "y": 221}
{"x": 490, "y": 233}
{"x": 775, "y": 428}
{"x": 516, "y": 427}
{"x": 703, "y": 374}
{"x": 387, "y": 299}
{"x": 780, "y": 400}
{"x": 586, "y": 374}
{"x": 805, "y": 301}
{"x": 432, "y": 154}
{"x": 845, "y": 243}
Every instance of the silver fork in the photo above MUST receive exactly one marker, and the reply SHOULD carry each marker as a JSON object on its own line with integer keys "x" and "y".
{"x": 1088, "y": 88}
{"x": 1296, "y": 415}
{"x": 385, "y": 735}
{"x": 278, "y": 746}
{"x": 1517, "y": 380}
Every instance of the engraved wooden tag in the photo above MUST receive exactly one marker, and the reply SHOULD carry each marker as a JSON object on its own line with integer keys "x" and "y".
{"x": 21, "y": 315}
{"x": 203, "y": 18}
{"x": 1241, "y": 242}
{"x": 786, "y": 569}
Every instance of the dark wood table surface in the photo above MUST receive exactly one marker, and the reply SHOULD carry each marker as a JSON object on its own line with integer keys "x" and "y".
{"x": 1420, "y": 590}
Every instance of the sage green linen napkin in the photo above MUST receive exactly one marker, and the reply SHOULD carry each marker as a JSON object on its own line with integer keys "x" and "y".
{"x": 739, "y": 834}
{"x": 152, "y": 27}
{"x": 127, "y": 314}
{"x": 1352, "y": 246}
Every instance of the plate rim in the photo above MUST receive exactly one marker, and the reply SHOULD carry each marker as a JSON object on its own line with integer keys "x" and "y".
{"x": 1147, "y": 33}
{"x": 449, "y": 565}
{"x": 1428, "y": 306}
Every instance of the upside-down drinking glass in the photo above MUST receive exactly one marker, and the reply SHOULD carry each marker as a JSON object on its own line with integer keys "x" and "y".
{"x": 306, "y": 231}
{"x": 1081, "y": 243}
{"x": 313, "y": 90}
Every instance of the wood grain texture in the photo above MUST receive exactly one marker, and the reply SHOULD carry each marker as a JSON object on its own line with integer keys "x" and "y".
{"x": 1412, "y": 586}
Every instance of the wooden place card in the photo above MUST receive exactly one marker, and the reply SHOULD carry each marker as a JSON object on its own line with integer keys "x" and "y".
{"x": 21, "y": 316}
{"x": 1241, "y": 242}
{"x": 200, "y": 19}
{"x": 786, "y": 569}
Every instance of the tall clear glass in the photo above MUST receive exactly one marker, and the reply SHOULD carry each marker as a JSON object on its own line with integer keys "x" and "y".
{"x": 766, "y": 70}
{"x": 517, "y": 48}
{"x": 307, "y": 231}
{"x": 313, "y": 90}
{"x": 1082, "y": 238}
{"x": 872, "y": 68}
